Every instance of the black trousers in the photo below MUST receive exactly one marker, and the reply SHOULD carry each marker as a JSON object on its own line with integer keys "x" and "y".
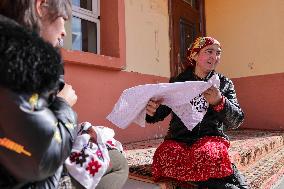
{"x": 234, "y": 181}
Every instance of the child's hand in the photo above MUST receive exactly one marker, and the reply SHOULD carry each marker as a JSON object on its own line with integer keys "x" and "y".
{"x": 93, "y": 134}
{"x": 68, "y": 94}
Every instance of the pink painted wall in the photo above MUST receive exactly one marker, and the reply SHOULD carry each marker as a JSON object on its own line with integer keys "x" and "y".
{"x": 99, "y": 89}
{"x": 99, "y": 81}
{"x": 262, "y": 99}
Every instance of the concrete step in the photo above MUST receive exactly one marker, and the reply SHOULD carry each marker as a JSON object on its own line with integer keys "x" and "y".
{"x": 248, "y": 147}
{"x": 267, "y": 171}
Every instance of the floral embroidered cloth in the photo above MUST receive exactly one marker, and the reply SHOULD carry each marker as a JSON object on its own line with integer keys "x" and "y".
{"x": 89, "y": 161}
{"x": 184, "y": 98}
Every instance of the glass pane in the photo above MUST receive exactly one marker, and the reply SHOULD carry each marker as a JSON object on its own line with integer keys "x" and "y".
{"x": 85, "y": 4}
{"x": 191, "y": 2}
{"x": 84, "y": 35}
{"x": 187, "y": 35}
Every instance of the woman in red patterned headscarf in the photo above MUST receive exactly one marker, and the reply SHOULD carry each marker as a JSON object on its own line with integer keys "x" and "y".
{"x": 200, "y": 155}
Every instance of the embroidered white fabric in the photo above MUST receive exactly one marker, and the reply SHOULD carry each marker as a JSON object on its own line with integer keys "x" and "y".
{"x": 184, "y": 98}
{"x": 94, "y": 153}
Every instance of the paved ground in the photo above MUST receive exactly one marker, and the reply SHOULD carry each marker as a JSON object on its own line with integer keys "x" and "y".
{"x": 133, "y": 184}
{"x": 281, "y": 185}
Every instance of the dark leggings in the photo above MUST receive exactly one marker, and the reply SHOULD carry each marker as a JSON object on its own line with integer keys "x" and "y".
{"x": 116, "y": 174}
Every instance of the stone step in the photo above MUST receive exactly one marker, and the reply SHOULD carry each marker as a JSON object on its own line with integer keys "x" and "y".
{"x": 267, "y": 171}
{"x": 247, "y": 148}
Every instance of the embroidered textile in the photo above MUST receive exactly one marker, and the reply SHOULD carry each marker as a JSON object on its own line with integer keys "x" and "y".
{"x": 89, "y": 161}
{"x": 184, "y": 98}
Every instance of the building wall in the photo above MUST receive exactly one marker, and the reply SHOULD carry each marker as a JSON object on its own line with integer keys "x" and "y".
{"x": 251, "y": 40}
{"x": 147, "y": 41}
{"x": 139, "y": 56}
{"x": 99, "y": 89}
{"x": 251, "y": 34}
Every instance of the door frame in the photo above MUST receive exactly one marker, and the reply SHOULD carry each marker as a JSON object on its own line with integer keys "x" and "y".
{"x": 200, "y": 6}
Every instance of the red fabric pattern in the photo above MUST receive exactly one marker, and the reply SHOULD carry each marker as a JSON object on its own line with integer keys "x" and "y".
{"x": 207, "y": 158}
{"x": 110, "y": 143}
{"x": 93, "y": 167}
{"x": 219, "y": 107}
{"x": 74, "y": 156}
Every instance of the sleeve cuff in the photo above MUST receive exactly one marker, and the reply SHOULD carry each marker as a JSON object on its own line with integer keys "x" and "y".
{"x": 219, "y": 107}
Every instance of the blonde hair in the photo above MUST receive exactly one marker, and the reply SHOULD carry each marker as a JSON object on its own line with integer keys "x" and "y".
{"x": 24, "y": 12}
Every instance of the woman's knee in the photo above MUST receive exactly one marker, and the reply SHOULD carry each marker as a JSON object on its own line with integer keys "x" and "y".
{"x": 118, "y": 161}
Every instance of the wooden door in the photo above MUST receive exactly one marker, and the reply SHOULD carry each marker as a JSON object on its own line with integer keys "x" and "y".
{"x": 186, "y": 23}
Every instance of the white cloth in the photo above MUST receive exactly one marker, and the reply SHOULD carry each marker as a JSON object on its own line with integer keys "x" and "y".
{"x": 184, "y": 98}
{"x": 89, "y": 161}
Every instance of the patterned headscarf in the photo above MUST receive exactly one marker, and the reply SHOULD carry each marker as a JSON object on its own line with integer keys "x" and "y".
{"x": 198, "y": 44}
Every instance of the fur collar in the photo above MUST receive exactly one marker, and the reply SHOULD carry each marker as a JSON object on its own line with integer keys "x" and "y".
{"x": 27, "y": 63}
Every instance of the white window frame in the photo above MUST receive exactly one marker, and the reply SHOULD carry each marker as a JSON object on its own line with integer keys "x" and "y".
{"x": 91, "y": 16}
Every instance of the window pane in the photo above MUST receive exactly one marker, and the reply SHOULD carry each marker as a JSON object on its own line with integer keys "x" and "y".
{"x": 84, "y": 35}
{"x": 191, "y": 2}
{"x": 187, "y": 35}
{"x": 85, "y": 4}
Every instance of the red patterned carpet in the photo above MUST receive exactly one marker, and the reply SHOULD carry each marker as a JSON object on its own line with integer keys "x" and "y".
{"x": 258, "y": 154}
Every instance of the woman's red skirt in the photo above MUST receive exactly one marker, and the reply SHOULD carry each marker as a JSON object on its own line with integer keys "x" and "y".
{"x": 206, "y": 158}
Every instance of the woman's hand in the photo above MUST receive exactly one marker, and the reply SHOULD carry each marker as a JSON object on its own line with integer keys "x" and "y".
{"x": 152, "y": 106}
{"x": 68, "y": 94}
{"x": 213, "y": 96}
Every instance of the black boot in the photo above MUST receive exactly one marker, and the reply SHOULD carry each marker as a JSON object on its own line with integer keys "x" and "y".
{"x": 216, "y": 184}
{"x": 234, "y": 181}
{"x": 237, "y": 179}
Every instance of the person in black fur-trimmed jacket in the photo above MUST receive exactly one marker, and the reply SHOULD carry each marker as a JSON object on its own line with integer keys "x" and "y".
{"x": 37, "y": 128}
{"x": 47, "y": 18}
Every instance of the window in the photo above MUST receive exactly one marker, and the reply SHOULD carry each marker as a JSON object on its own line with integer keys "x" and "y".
{"x": 85, "y": 26}
{"x": 191, "y": 2}
{"x": 111, "y": 37}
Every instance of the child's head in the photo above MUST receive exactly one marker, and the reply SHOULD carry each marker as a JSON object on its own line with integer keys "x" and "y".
{"x": 46, "y": 17}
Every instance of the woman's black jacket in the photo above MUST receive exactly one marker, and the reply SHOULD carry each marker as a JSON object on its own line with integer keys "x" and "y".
{"x": 37, "y": 128}
{"x": 213, "y": 123}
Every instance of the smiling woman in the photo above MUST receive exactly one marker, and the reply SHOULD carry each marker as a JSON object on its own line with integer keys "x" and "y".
{"x": 200, "y": 155}
{"x": 207, "y": 60}
{"x": 33, "y": 156}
